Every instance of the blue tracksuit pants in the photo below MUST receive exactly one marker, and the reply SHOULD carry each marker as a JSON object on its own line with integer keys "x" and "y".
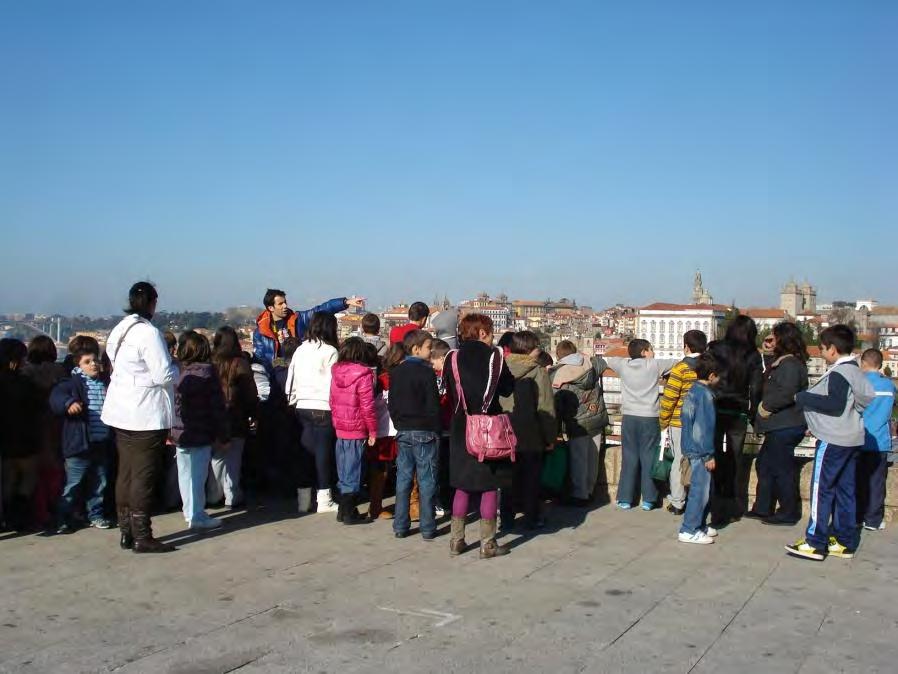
{"x": 833, "y": 496}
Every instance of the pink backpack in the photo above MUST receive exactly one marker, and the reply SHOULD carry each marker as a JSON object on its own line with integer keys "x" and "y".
{"x": 487, "y": 437}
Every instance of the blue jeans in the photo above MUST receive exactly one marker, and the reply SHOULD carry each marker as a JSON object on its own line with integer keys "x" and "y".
{"x": 85, "y": 476}
{"x": 349, "y": 465}
{"x": 697, "y": 504}
{"x": 418, "y": 453}
{"x": 193, "y": 467}
{"x": 641, "y": 437}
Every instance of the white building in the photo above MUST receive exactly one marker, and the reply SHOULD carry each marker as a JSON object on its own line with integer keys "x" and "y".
{"x": 501, "y": 317}
{"x": 888, "y": 336}
{"x": 765, "y": 318}
{"x": 664, "y": 324}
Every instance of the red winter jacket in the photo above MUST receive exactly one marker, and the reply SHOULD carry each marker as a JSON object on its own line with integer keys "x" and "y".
{"x": 352, "y": 401}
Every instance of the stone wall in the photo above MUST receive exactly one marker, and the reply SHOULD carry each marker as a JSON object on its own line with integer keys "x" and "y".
{"x": 609, "y": 470}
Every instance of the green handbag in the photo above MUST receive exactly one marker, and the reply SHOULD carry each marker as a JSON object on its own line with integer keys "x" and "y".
{"x": 555, "y": 468}
{"x": 662, "y": 464}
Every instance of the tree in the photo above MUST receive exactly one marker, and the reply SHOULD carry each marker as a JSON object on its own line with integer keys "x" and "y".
{"x": 887, "y": 371}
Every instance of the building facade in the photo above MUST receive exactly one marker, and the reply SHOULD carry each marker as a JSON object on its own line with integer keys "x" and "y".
{"x": 798, "y": 300}
{"x": 665, "y": 324}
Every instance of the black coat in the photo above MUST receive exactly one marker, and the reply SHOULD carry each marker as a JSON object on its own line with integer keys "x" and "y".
{"x": 465, "y": 471}
{"x": 783, "y": 379}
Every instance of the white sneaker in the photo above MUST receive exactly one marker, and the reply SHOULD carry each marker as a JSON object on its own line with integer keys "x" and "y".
{"x": 711, "y": 532}
{"x": 205, "y": 524}
{"x": 439, "y": 512}
{"x": 699, "y": 537}
{"x": 325, "y": 503}
{"x": 881, "y": 527}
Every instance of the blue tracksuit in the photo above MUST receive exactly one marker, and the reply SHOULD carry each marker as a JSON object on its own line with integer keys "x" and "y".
{"x": 873, "y": 467}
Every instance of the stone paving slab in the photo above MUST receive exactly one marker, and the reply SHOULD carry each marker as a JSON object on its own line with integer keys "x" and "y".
{"x": 604, "y": 591}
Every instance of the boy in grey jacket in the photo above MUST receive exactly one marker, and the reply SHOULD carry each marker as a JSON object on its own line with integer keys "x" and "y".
{"x": 832, "y": 409}
{"x": 641, "y": 428}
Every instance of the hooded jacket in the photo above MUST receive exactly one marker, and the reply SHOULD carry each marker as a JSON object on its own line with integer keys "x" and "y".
{"x": 532, "y": 405}
{"x": 783, "y": 379}
{"x": 579, "y": 400}
{"x": 445, "y": 326}
{"x": 266, "y": 345}
{"x": 379, "y": 343}
{"x": 201, "y": 417}
{"x": 75, "y": 428}
{"x": 833, "y": 406}
{"x": 352, "y": 401}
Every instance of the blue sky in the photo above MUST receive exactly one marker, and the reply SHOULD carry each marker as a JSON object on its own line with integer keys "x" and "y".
{"x": 403, "y": 149}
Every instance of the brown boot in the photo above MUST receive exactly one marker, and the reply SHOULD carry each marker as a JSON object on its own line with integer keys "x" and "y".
{"x": 488, "y": 546}
{"x": 377, "y": 478}
{"x": 414, "y": 510}
{"x": 457, "y": 543}
{"x": 124, "y": 526}
{"x": 143, "y": 534}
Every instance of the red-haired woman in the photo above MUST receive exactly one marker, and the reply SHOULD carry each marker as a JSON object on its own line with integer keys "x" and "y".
{"x": 466, "y": 474}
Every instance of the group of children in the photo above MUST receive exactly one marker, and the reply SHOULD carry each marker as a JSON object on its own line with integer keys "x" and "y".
{"x": 388, "y": 404}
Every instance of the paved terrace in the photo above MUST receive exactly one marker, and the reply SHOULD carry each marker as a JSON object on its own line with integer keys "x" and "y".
{"x": 607, "y": 591}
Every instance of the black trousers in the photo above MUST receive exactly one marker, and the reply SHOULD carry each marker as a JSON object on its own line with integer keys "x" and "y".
{"x": 139, "y": 464}
{"x": 872, "y": 471}
{"x": 525, "y": 487}
{"x": 777, "y": 473}
{"x": 730, "y": 494}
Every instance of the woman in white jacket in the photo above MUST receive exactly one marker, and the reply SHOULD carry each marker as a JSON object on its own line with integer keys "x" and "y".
{"x": 308, "y": 389}
{"x": 139, "y": 406}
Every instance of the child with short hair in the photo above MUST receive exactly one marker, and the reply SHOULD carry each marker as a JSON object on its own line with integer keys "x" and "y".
{"x": 371, "y": 334}
{"x": 86, "y": 440}
{"x": 439, "y": 349}
{"x": 640, "y": 430}
{"x": 833, "y": 408}
{"x": 382, "y": 455}
{"x": 698, "y": 417}
{"x": 355, "y": 421}
{"x": 873, "y": 466}
{"x": 680, "y": 380}
{"x": 415, "y": 410}
{"x": 200, "y": 421}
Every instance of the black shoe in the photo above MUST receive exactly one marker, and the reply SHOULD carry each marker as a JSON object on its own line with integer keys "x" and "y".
{"x": 779, "y": 521}
{"x": 754, "y": 515}
{"x": 429, "y": 537}
{"x": 65, "y": 528}
{"x": 400, "y": 534}
{"x": 577, "y": 502}
{"x": 350, "y": 514}
{"x": 534, "y": 524}
{"x": 673, "y": 510}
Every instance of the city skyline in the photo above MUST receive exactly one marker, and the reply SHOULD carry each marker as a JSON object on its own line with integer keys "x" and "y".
{"x": 595, "y": 151}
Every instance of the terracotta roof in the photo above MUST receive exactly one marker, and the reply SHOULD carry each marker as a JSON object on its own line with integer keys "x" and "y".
{"x": 880, "y": 311}
{"x": 755, "y": 312}
{"x": 618, "y": 351}
{"x": 664, "y": 306}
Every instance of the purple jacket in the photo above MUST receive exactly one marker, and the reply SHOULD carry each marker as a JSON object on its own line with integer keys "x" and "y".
{"x": 200, "y": 414}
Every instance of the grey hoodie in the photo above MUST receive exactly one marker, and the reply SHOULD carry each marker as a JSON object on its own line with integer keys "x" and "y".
{"x": 639, "y": 383}
{"x": 379, "y": 343}
{"x": 445, "y": 326}
{"x": 846, "y": 427}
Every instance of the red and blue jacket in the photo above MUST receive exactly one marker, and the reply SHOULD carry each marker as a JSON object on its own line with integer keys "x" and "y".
{"x": 266, "y": 346}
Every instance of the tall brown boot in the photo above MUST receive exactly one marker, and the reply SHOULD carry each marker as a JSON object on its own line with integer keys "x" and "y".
{"x": 414, "y": 509}
{"x": 143, "y": 534}
{"x": 124, "y": 526}
{"x": 488, "y": 546}
{"x": 377, "y": 478}
{"x": 457, "y": 543}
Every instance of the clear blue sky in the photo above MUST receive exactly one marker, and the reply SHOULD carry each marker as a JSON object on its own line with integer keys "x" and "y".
{"x": 403, "y": 149}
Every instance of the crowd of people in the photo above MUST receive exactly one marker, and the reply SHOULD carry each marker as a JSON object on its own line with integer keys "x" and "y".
{"x": 458, "y": 419}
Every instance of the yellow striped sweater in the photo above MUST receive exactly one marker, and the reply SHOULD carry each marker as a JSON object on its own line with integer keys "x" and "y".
{"x": 678, "y": 385}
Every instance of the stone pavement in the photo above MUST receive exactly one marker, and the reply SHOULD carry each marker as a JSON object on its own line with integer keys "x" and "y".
{"x": 610, "y": 591}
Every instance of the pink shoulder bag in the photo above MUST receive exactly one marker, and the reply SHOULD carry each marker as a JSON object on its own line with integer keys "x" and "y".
{"x": 487, "y": 437}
